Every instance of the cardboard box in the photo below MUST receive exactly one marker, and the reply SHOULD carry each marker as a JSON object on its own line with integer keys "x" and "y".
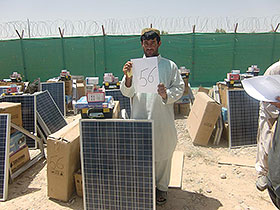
{"x": 186, "y": 81}
{"x": 182, "y": 109}
{"x": 17, "y": 141}
{"x": 223, "y": 93}
{"x": 81, "y": 90}
{"x": 79, "y": 183}
{"x": 19, "y": 84}
{"x": 19, "y": 158}
{"x": 202, "y": 89}
{"x": 63, "y": 160}
{"x": 202, "y": 119}
{"x": 15, "y": 110}
{"x": 68, "y": 87}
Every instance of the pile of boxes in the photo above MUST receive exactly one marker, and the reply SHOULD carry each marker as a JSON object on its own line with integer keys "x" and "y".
{"x": 202, "y": 118}
{"x": 63, "y": 147}
{"x": 110, "y": 81}
{"x": 19, "y": 153}
{"x": 63, "y": 161}
{"x": 182, "y": 106}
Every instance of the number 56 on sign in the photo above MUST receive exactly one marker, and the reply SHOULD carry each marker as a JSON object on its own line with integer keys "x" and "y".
{"x": 145, "y": 74}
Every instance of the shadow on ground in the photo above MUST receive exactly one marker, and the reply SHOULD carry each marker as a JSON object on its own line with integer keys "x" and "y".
{"x": 23, "y": 181}
{"x": 184, "y": 200}
{"x": 177, "y": 200}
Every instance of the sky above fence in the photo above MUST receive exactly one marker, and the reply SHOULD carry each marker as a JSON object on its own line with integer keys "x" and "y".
{"x": 99, "y": 9}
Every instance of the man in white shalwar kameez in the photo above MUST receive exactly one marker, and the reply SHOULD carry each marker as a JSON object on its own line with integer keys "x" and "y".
{"x": 268, "y": 114}
{"x": 157, "y": 107}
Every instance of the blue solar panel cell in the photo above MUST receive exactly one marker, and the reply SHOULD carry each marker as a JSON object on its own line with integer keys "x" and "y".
{"x": 28, "y": 106}
{"x": 243, "y": 114}
{"x": 57, "y": 91}
{"x": 118, "y": 96}
{"x": 5, "y": 120}
{"x": 117, "y": 164}
{"x": 49, "y": 113}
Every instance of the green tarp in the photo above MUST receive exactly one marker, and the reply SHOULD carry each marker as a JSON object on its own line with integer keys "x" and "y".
{"x": 209, "y": 56}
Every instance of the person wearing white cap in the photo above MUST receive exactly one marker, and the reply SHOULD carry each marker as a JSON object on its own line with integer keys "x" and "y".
{"x": 157, "y": 107}
{"x": 268, "y": 114}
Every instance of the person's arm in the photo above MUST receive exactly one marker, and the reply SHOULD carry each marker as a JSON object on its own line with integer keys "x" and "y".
{"x": 175, "y": 91}
{"x": 127, "y": 69}
{"x": 277, "y": 104}
{"x": 126, "y": 86}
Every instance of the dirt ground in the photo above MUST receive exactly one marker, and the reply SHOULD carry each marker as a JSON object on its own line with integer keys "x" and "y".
{"x": 214, "y": 177}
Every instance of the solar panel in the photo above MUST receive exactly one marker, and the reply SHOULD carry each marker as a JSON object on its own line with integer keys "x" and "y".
{"x": 243, "y": 114}
{"x": 5, "y": 120}
{"x": 117, "y": 164}
{"x": 28, "y": 107}
{"x": 118, "y": 96}
{"x": 49, "y": 116}
{"x": 57, "y": 91}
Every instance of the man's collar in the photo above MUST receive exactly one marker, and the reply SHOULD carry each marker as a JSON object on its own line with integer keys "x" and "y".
{"x": 159, "y": 57}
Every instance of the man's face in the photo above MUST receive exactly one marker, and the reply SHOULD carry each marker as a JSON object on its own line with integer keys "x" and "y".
{"x": 150, "y": 47}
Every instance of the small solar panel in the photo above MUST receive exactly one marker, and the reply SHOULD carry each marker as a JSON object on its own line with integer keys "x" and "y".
{"x": 49, "y": 116}
{"x": 117, "y": 164}
{"x": 57, "y": 91}
{"x": 124, "y": 101}
{"x": 28, "y": 107}
{"x": 243, "y": 114}
{"x": 5, "y": 120}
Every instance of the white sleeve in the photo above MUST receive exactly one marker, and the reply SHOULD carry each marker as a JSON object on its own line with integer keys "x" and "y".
{"x": 127, "y": 91}
{"x": 177, "y": 87}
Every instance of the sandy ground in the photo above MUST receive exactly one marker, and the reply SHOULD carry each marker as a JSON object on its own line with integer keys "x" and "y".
{"x": 206, "y": 184}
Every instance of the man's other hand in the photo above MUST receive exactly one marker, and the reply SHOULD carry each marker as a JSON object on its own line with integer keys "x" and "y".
{"x": 162, "y": 91}
{"x": 127, "y": 68}
{"x": 277, "y": 104}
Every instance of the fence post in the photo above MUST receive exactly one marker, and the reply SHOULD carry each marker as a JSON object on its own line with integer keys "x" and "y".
{"x": 234, "y": 46}
{"x": 94, "y": 56}
{"x": 105, "y": 51}
{"x": 273, "y": 42}
{"x": 193, "y": 55}
{"x": 61, "y": 32}
{"x": 28, "y": 27}
{"x": 22, "y": 54}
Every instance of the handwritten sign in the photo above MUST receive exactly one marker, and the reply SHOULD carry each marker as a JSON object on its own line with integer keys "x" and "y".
{"x": 145, "y": 74}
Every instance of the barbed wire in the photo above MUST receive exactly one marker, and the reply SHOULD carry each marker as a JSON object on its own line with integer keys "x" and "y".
{"x": 48, "y": 28}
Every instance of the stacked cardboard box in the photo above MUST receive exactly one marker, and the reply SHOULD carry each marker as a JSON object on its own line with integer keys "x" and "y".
{"x": 79, "y": 183}
{"x": 63, "y": 160}
{"x": 15, "y": 110}
{"x": 202, "y": 119}
{"x": 182, "y": 106}
{"x": 19, "y": 158}
{"x": 68, "y": 87}
{"x": 81, "y": 89}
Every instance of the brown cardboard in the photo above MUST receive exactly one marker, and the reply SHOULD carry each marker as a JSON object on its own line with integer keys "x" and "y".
{"x": 15, "y": 110}
{"x": 186, "y": 81}
{"x": 202, "y": 119}
{"x": 81, "y": 90}
{"x": 21, "y": 84}
{"x": 182, "y": 109}
{"x": 63, "y": 159}
{"x": 203, "y": 89}
{"x": 223, "y": 93}
{"x": 79, "y": 183}
{"x": 19, "y": 158}
{"x": 68, "y": 87}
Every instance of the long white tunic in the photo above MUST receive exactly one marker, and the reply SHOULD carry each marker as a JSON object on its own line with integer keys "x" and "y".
{"x": 268, "y": 114}
{"x": 152, "y": 106}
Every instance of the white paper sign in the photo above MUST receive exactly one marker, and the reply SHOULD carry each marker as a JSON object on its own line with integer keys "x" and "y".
{"x": 263, "y": 88}
{"x": 145, "y": 74}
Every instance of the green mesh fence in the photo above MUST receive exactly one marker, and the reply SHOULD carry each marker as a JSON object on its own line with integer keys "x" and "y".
{"x": 209, "y": 56}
